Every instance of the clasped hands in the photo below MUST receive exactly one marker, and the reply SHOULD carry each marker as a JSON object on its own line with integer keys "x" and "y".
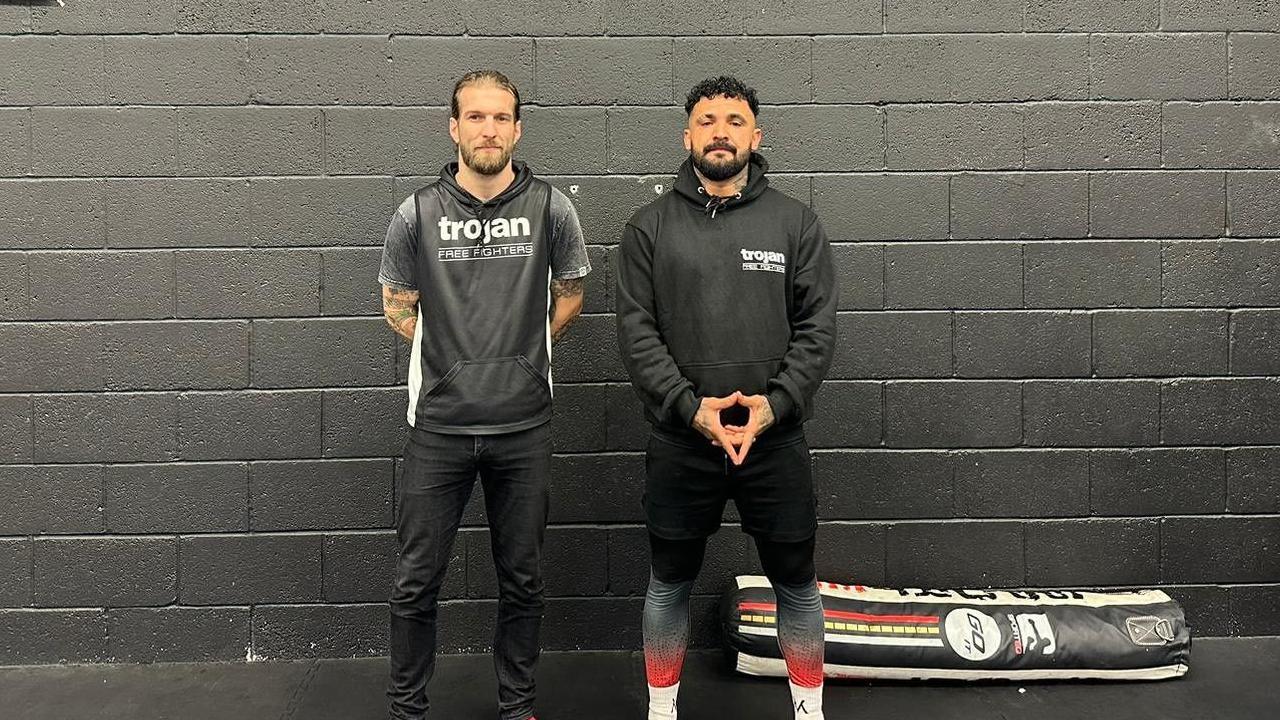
{"x": 736, "y": 440}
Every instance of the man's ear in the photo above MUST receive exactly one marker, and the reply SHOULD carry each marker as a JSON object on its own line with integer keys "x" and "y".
{"x": 756, "y": 136}
{"x": 688, "y": 142}
{"x": 453, "y": 129}
{"x": 519, "y": 132}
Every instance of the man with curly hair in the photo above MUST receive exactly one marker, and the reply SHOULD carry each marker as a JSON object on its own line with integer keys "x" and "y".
{"x": 726, "y": 310}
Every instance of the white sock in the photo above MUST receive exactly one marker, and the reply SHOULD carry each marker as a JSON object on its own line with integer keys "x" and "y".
{"x": 807, "y": 702}
{"x": 662, "y": 702}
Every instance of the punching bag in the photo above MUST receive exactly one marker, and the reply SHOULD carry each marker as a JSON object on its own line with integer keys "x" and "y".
{"x": 912, "y": 634}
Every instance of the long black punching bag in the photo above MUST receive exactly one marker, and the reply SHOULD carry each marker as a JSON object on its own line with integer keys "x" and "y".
{"x": 971, "y": 634}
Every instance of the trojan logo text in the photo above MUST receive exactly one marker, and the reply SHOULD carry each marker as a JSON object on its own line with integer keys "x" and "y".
{"x": 765, "y": 260}
{"x": 480, "y": 234}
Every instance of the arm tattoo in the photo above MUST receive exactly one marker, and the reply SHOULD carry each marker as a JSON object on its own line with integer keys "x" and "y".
{"x": 570, "y": 288}
{"x": 400, "y": 308}
{"x": 566, "y": 288}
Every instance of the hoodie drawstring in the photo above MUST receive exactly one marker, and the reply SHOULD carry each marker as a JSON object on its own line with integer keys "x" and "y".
{"x": 717, "y": 201}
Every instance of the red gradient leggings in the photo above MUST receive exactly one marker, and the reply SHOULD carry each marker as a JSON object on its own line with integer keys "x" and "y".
{"x": 789, "y": 567}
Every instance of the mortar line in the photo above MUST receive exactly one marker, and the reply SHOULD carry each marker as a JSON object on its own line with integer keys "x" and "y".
{"x": 673, "y": 78}
{"x": 1227, "y": 51}
{"x": 322, "y": 428}
{"x": 1088, "y": 45}
{"x": 1226, "y": 483}
{"x": 953, "y": 343}
{"x": 252, "y": 97}
{"x": 884, "y": 548}
{"x": 951, "y": 207}
{"x": 34, "y": 434}
{"x": 1093, "y": 360}
{"x": 177, "y": 569}
{"x": 884, "y": 277}
{"x": 324, "y": 598}
{"x": 324, "y": 142}
{"x": 1022, "y": 413}
{"x": 813, "y": 92}
{"x": 248, "y": 381}
{"x": 1164, "y": 247}
{"x": 1026, "y": 571}
{"x": 1088, "y": 210}
{"x": 884, "y": 133}
{"x": 1022, "y": 258}
{"x": 936, "y": 379}
{"x": 320, "y": 284}
{"x": 1160, "y": 553}
{"x": 1226, "y": 208}
{"x": 470, "y": 529}
{"x": 107, "y": 618}
{"x": 102, "y": 489}
{"x": 329, "y": 35}
{"x": 31, "y": 141}
{"x": 869, "y": 171}
{"x": 173, "y": 277}
{"x": 31, "y": 561}
{"x": 1231, "y": 322}
{"x": 953, "y": 459}
{"x": 884, "y": 402}
{"x": 248, "y": 497}
{"x": 1022, "y": 123}
{"x": 1162, "y": 133}
{"x": 608, "y": 569}
{"x": 1160, "y": 413}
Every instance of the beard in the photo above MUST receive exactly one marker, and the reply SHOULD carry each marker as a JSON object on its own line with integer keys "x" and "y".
{"x": 485, "y": 163}
{"x": 715, "y": 169}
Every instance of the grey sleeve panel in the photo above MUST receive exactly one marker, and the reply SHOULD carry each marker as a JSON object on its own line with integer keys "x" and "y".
{"x": 568, "y": 246}
{"x": 398, "y": 267}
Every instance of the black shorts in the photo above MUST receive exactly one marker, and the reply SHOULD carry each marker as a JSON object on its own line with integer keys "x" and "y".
{"x": 688, "y": 484}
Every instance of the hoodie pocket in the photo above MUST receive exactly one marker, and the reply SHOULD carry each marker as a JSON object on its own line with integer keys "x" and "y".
{"x": 487, "y": 393}
{"x": 718, "y": 379}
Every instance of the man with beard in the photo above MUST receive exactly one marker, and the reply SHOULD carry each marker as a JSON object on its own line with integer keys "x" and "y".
{"x": 481, "y": 271}
{"x": 726, "y": 308}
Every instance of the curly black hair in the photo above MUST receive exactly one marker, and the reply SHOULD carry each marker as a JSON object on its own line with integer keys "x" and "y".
{"x": 723, "y": 86}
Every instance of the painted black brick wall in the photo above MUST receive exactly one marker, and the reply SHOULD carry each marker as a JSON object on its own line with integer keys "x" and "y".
{"x": 1056, "y": 232}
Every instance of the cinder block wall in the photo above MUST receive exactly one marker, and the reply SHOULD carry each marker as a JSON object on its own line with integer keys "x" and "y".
{"x": 1056, "y": 228}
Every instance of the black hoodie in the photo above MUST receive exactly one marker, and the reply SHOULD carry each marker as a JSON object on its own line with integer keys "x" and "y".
{"x": 722, "y": 294}
{"x": 481, "y": 358}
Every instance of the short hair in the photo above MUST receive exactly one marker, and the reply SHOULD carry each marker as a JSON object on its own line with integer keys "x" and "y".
{"x": 483, "y": 77}
{"x": 723, "y": 86}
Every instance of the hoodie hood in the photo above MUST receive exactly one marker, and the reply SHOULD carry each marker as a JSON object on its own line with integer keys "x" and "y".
{"x": 689, "y": 186}
{"x": 486, "y": 208}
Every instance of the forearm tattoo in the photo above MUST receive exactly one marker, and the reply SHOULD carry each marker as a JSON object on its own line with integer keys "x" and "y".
{"x": 570, "y": 288}
{"x": 400, "y": 308}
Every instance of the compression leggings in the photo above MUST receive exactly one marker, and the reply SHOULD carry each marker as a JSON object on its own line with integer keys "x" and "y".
{"x": 789, "y": 567}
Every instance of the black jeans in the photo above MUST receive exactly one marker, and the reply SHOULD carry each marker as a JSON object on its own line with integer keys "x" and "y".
{"x": 439, "y": 473}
